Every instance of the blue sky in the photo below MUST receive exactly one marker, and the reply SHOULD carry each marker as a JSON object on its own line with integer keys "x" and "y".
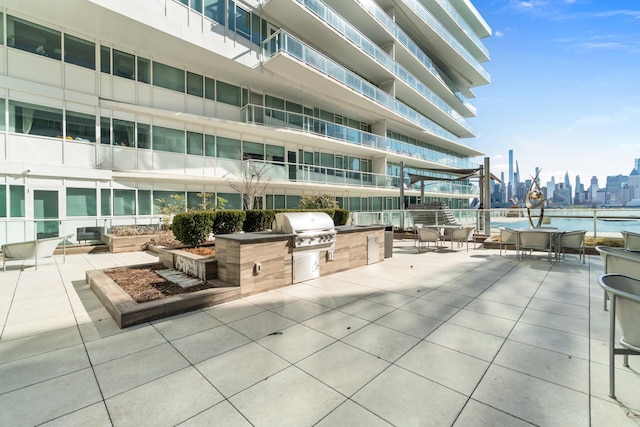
{"x": 565, "y": 87}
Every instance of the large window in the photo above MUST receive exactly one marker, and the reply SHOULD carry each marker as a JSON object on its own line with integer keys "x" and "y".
{"x": 243, "y": 23}
{"x": 228, "y": 94}
{"x": 164, "y": 199}
{"x": 209, "y": 145}
{"x": 209, "y": 88}
{"x": 3, "y": 201}
{"x": 275, "y": 153}
{"x": 2, "y": 107}
{"x": 214, "y": 9}
{"x": 81, "y": 202}
{"x": 124, "y": 65}
{"x": 252, "y": 150}
{"x": 105, "y": 59}
{"x": 144, "y": 70}
{"x": 144, "y": 136}
{"x": 35, "y": 120}
{"x": 194, "y": 84}
{"x": 196, "y": 5}
{"x": 167, "y": 139}
{"x": 105, "y": 202}
{"x": 144, "y": 202}
{"x": 195, "y": 143}
{"x": 228, "y": 148}
{"x": 124, "y": 133}
{"x": 233, "y": 200}
{"x": 124, "y": 202}
{"x": 79, "y": 52}
{"x": 33, "y": 38}
{"x": 105, "y": 130}
{"x": 16, "y": 201}
{"x": 168, "y": 77}
{"x": 81, "y": 127}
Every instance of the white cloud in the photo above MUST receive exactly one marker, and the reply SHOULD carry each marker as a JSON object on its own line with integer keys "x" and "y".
{"x": 498, "y": 34}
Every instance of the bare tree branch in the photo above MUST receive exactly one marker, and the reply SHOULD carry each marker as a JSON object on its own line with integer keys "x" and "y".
{"x": 252, "y": 183}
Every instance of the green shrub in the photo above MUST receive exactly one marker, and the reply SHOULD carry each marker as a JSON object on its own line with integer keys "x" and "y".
{"x": 341, "y": 217}
{"x": 193, "y": 227}
{"x": 258, "y": 220}
{"x": 320, "y": 201}
{"x": 228, "y": 221}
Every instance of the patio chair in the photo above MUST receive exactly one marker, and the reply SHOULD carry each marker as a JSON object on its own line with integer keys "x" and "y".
{"x": 535, "y": 240}
{"x": 571, "y": 240}
{"x": 631, "y": 241}
{"x": 461, "y": 235}
{"x": 617, "y": 260}
{"x": 427, "y": 235}
{"x": 508, "y": 237}
{"x": 624, "y": 292}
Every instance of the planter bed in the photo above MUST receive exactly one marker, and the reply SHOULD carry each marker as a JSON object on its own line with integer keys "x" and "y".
{"x": 119, "y": 244}
{"x": 127, "y": 312}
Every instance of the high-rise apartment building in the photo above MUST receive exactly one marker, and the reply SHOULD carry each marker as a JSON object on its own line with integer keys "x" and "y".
{"x": 114, "y": 106}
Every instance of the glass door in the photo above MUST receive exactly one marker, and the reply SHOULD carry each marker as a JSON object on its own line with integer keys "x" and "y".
{"x": 45, "y": 213}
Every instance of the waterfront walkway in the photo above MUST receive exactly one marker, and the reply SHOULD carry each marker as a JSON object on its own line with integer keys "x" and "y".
{"x": 449, "y": 338}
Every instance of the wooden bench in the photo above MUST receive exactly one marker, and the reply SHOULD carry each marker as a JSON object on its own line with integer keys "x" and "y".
{"x": 32, "y": 249}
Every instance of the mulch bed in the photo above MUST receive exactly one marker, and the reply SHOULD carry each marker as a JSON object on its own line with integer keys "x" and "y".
{"x": 144, "y": 284}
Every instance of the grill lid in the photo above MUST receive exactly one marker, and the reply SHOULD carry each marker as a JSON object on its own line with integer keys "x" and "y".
{"x": 302, "y": 223}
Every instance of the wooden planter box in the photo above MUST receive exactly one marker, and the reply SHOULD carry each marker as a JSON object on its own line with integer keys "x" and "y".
{"x": 118, "y": 244}
{"x": 204, "y": 268}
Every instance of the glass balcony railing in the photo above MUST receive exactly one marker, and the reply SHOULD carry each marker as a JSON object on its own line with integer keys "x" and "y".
{"x": 282, "y": 41}
{"x": 352, "y": 34}
{"x": 464, "y": 25}
{"x": 597, "y": 222}
{"x": 401, "y": 37}
{"x": 257, "y": 114}
{"x": 433, "y": 23}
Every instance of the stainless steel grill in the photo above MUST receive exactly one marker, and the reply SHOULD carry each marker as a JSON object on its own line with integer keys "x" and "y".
{"x": 311, "y": 229}
{"x": 312, "y": 232}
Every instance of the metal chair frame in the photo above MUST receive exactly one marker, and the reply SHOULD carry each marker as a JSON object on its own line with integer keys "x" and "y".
{"x": 612, "y": 283}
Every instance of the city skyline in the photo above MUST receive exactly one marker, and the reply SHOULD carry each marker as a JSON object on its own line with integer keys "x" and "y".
{"x": 561, "y": 94}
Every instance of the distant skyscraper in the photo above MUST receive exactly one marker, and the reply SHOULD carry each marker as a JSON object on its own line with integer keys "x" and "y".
{"x": 593, "y": 190}
{"x": 510, "y": 184}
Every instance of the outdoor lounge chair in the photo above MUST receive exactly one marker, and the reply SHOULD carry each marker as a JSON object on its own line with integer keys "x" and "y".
{"x": 32, "y": 249}
{"x": 461, "y": 235}
{"x": 624, "y": 292}
{"x": 571, "y": 240}
{"x": 427, "y": 235}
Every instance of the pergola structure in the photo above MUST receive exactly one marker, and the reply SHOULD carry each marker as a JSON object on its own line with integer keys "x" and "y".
{"x": 482, "y": 173}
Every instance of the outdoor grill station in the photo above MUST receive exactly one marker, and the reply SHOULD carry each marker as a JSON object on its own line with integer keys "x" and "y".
{"x": 301, "y": 246}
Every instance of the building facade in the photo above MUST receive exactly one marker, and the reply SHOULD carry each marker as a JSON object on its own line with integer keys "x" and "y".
{"x": 116, "y": 108}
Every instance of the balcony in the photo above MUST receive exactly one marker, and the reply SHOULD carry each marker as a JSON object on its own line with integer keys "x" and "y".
{"x": 396, "y": 150}
{"x": 286, "y": 55}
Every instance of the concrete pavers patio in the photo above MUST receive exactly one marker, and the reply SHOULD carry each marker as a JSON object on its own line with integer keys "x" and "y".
{"x": 449, "y": 338}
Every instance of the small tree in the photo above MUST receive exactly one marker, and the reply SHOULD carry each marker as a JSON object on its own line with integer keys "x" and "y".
{"x": 253, "y": 182}
{"x": 321, "y": 201}
{"x": 206, "y": 202}
{"x": 169, "y": 208}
